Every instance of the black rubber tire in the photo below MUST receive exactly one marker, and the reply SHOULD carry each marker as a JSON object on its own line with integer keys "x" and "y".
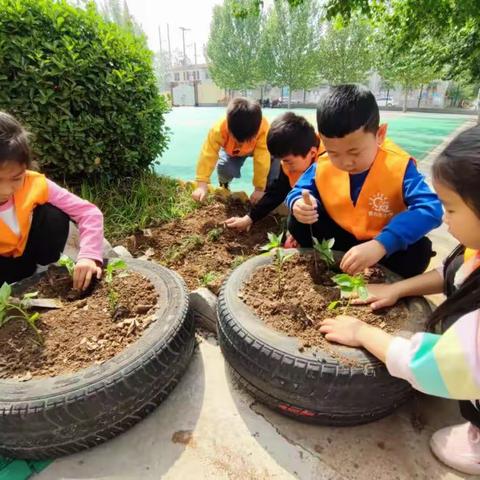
{"x": 51, "y": 417}
{"x": 312, "y": 386}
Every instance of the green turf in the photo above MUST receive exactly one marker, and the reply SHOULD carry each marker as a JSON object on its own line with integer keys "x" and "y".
{"x": 416, "y": 133}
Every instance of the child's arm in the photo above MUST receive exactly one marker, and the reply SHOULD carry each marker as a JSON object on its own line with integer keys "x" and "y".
{"x": 90, "y": 225}
{"x": 206, "y": 162}
{"x": 261, "y": 161}
{"x": 442, "y": 365}
{"x": 274, "y": 196}
{"x": 387, "y": 294}
{"x": 424, "y": 213}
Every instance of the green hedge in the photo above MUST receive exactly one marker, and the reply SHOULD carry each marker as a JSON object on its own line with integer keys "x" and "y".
{"x": 84, "y": 87}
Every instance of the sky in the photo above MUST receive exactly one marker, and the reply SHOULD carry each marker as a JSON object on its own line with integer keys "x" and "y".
{"x": 193, "y": 14}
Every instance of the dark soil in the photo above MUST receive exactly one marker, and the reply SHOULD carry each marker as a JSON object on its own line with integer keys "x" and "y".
{"x": 298, "y": 307}
{"x": 86, "y": 331}
{"x": 199, "y": 247}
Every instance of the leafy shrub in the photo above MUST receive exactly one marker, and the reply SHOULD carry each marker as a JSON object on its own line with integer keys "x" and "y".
{"x": 84, "y": 87}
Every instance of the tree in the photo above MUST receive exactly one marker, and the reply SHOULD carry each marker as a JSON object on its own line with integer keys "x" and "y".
{"x": 346, "y": 54}
{"x": 411, "y": 68}
{"x": 233, "y": 49}
{"x": 117, "y": 12}
{"x": 290, "y": 45}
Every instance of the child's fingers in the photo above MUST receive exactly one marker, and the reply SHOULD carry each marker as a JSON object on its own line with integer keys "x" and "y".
{"x": 382, "y": 303}
{"x": 364, "y": 301}
{"x": 99, "y": 273}
{"x": 87, "y": 279}
{"x": 78, "y": 277}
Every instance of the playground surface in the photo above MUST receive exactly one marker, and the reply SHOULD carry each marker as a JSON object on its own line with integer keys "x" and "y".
{"x": 417, "y": 133}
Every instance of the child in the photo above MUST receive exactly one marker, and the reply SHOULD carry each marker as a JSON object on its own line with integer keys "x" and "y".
{"x": 230, "y": 141}
{"x": 443, "y": 365}
{"x": 35, "y": 214}
{"x": 293, "y": 140}
{"x": 366, "y": 192}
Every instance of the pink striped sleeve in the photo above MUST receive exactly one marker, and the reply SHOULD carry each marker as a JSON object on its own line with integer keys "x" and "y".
{"x": 86, "y": 215}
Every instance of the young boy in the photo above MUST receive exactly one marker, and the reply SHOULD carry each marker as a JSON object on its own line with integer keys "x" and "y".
{"x": 230, "y": 141}
{"x": 366, "y": 192}
{"x": 293, "y": 140}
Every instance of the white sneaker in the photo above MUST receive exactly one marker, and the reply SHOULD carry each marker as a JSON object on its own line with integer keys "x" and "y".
{"x": 458, "y": 447}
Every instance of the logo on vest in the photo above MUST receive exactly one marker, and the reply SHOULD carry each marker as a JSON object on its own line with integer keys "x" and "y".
{"x": 379, "y": 206}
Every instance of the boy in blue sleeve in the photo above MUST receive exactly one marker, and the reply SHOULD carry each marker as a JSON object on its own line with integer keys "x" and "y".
{"x": 365, "y": 191}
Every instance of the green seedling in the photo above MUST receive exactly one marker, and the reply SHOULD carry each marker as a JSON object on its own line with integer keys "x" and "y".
{"x": 68, "y": 263}
{"x": 280, "y": 257}
{"x": 324, "y": 251}
{"x": 7, "y": 307}
{"x": 112, "y": 267}
{"x": 208, "y": 278}
{"x": 214, "y": 234}
{"x": 350, "y": 286}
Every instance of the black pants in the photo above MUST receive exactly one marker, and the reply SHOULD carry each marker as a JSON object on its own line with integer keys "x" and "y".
{"x": 470, "y": 412}
{"x": 407, "y": 263}
{"x": 46, "y": 241}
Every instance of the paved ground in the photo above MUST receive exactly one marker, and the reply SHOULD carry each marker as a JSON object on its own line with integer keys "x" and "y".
{"x": 208, "y": 429}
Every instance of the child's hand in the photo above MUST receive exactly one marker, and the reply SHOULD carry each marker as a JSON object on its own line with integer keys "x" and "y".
{"x": 256, "y": 196}
{"x": 200, "y": 193}
{"x": 242, "y": 224}
{"x": 380, "y": 295}
{"x": 290, "y": 242}
{"x": 343, "y": 329}
{"x": 305, "y": 209}
{"x": 362, "y": 256}
{"x": 84, "y": 270}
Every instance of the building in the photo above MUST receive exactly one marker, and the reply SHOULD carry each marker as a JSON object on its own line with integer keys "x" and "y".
{"x": 191, "y": 85}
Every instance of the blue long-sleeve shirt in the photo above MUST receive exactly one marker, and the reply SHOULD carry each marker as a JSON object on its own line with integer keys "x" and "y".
{"x": 424, "y": 210}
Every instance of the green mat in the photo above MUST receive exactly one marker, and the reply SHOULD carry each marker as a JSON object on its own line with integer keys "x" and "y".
{"x": 20, "y": 469}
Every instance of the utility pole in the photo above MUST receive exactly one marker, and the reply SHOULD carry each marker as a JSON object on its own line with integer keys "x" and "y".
{"x": 183, "y": 29}
{"x": 169, "y": 47}
{"x": 195, "y": 52}
{"x": 160, "y": 38}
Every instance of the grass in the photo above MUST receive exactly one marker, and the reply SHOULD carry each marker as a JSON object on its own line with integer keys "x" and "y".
{"x": 131, "y": 204}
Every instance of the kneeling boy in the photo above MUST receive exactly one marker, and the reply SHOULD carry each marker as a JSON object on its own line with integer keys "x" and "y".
{"x": 366, "y": 192}
{"x": 293, "y": 140}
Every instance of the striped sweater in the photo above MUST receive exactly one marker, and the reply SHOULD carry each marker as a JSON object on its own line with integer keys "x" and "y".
{"x": 445, "y": 365}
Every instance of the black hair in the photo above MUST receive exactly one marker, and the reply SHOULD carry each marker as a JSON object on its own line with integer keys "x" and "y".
{"x": 346, "y": 108}
{"x": 244, "y": 118}
{"x": 290, "y": 134}
{"x": 14, "y": 144}
{"x": 458, "y": 167}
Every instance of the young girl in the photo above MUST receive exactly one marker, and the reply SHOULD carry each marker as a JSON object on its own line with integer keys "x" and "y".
{"x": 35, "y": 215}
{"x": 446, "y": 365}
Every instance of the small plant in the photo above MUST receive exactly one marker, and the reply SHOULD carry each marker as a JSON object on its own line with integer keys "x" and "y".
{"x": 280, "y": 257}
{"x": 9, "y": 305}
{"x": 324, "y": 250}
{"x": 349, "y": 286}
{"x": 68, "y": 263}
{"x": 110, "y": 269}
{"x": 214, "y": 234}
{"x": 208, "y": 278}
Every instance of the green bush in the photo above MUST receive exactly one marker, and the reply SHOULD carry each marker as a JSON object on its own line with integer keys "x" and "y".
{"x": 84, "y": 87}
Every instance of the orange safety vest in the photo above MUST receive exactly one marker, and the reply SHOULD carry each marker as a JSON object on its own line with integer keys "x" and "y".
{"x": 236, "y": 149}
{"x": 33, "y": 192}
{"x": 381, "y": 196}
{"x": 294, "y": 176}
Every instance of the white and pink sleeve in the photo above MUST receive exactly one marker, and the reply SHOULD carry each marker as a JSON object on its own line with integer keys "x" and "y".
{"x": 87, "y": 216}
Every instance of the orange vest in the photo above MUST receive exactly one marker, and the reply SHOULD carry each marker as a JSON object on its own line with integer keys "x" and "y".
{"x": 381, "y": 196}
{"x": 235, "y": 149}
{"x": 33, "y": 192}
